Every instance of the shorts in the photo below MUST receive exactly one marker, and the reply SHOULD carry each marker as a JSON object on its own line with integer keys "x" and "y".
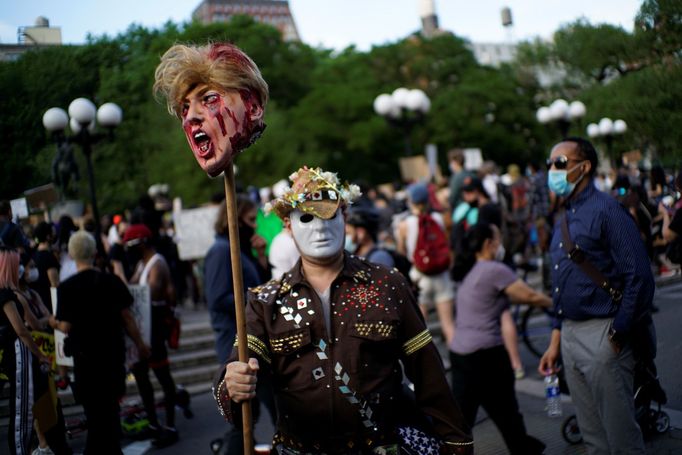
{"x": 433, "y": 288}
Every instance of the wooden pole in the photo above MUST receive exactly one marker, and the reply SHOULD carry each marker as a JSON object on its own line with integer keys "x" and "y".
{"x": 238, "y": 287}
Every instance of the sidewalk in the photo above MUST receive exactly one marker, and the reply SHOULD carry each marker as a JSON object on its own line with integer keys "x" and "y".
{"x": 530, "y": 394}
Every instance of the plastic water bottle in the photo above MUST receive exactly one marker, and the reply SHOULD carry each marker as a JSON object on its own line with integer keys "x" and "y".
{"x": 553, "y": 395}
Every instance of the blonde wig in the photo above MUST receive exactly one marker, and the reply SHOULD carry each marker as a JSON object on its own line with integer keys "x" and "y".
{"x": 221, "y": 66}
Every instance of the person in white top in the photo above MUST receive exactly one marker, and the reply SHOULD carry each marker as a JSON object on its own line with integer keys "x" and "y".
{"x": 436, "y": 289}
{"x": 152, "y": 270}
{"x": 283, "y": 253}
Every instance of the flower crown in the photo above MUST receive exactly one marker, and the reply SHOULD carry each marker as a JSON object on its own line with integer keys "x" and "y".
{"x": 314, "y": 191}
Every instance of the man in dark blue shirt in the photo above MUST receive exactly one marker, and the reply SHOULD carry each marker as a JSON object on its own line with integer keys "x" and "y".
{"x": 593, "y": 329}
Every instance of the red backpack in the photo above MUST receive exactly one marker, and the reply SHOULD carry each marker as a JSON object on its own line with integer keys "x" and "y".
{"x": 432, "y": 252}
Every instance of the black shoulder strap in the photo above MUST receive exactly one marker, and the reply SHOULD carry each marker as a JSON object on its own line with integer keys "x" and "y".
{"x": 577, "y": 255}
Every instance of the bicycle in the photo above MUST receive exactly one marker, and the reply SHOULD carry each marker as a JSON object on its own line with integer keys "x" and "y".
{"x": 534, "y": 325}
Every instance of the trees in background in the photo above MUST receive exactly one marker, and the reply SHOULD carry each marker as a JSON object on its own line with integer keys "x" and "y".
{"x": 321, "y": 112}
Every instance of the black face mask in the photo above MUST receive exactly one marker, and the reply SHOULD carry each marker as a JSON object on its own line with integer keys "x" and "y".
{"x": 245, "y": 234}
{"x": 133, "y": 255}
{"x": 473, "y": 204}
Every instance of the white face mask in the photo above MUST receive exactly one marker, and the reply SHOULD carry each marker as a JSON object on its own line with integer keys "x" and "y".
{"x": 318, "y": 238}
{"x": 32, "y": 275}
{"x": 500, "y": 253}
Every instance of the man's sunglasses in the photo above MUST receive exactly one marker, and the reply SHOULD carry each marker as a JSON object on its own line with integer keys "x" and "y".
{"x": 560, "y": 162}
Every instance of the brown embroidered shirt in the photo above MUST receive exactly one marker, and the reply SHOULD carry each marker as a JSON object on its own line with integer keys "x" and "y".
{"x": 343, "y": 387}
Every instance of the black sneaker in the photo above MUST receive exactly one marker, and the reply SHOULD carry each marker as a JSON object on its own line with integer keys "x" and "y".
{"x": 167, "y": 437}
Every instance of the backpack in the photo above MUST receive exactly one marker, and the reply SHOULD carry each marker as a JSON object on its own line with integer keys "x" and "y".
{"x": 432, "y": 252}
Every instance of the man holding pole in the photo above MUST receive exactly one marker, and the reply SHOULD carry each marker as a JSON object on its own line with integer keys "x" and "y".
{"x": 332, "y": 333}
{"x": 218, "y": 93}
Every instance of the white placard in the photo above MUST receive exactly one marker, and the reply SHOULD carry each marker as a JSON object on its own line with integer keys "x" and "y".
{"x": 194, "y": 231}
{"x": 59, "y": 336}
{"x": 473, "y": 159}
{"x": 19, "y": 208}
{"x": 142, "y": 313}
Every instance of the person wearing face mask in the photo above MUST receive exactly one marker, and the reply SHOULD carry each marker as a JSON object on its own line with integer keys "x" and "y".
{"x": 152, "y": 270}
{"x": 602, "y": 330}
{"x": 332, "y": 333}
{"x": 482, "y": 373}
{"x": 220, "y": 299}
{"x": 49, "y": 419}
{"x": 361, "y": 236}
{"x": 252, "y": 245}
{"x": 45, "y": 261}
{"x": 19, "y": 354}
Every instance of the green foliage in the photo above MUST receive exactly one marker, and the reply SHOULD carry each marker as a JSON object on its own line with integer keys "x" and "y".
{"x": 598, "y": 51}
{"x": 320, "y": 111}
{"x": 659, "y": 27}
{"x": 632, "y": 76}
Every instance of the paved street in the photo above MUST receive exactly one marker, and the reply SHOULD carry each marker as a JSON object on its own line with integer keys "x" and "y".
{"x": 207, "y": 425}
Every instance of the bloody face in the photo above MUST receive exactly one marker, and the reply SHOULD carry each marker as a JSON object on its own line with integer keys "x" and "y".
{"x": 218, "y": 125}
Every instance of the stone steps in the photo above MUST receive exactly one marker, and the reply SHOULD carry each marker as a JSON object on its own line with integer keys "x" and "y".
{"x": 193, "y": 366}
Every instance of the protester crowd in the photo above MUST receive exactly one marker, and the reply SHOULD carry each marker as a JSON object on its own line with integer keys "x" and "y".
{"x": 493, "y": 222}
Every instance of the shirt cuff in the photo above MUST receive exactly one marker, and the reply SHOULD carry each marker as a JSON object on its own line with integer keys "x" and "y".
{"x": 622, "y": 323}
{"x": 457, "y": 447}
{"x": 222, "y": 398}
{"x": 556, "y": 323}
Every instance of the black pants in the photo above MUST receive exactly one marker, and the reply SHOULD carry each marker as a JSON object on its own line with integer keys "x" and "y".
{"x": 485, "y": 378}
{"x": 141, "y": 372}
{"x": 98, "y": 389}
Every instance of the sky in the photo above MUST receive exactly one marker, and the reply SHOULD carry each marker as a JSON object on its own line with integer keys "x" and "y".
{"x": 332, "y": 24}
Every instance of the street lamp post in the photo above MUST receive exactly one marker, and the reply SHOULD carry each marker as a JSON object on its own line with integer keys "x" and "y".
{"x": 403, "y": 109}
{"x": 82, "y": 113}
{"x": 563, "y": 113}
{"x": 607, "y": 129}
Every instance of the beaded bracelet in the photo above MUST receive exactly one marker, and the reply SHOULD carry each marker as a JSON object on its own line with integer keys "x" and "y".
{"x": 469, "y": 443}
{"x": 216, "y": 395}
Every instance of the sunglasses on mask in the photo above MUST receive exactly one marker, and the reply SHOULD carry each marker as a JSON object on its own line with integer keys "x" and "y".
{"x": 560, "y": 162}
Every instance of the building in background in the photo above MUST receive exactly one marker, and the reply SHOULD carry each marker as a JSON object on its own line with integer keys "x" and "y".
{"x": 272, "y": 12}
{"x": 30, "y": 37}
{"x": 427, "y": 13}
{"x": 493, "y": 54}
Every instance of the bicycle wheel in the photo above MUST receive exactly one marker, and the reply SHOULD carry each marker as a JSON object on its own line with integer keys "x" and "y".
{"x": 571, "y": 432}
{"x": 536, "y": 329}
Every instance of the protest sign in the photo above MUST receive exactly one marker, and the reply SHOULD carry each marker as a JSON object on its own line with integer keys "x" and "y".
{"x": 59, "y": 337}
{"x": 194, "y": 231}
{"x": 473, "y": 159}
{"x": 142, "y": 313}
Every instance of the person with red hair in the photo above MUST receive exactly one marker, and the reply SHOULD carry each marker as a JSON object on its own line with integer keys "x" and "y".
{"x": 18, "y": 354}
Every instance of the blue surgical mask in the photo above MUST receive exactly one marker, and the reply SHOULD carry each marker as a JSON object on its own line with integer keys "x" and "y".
{"x": 350, "y": 246}
{"x": 33, "y": 275}
{"x": 557, "y": 181}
